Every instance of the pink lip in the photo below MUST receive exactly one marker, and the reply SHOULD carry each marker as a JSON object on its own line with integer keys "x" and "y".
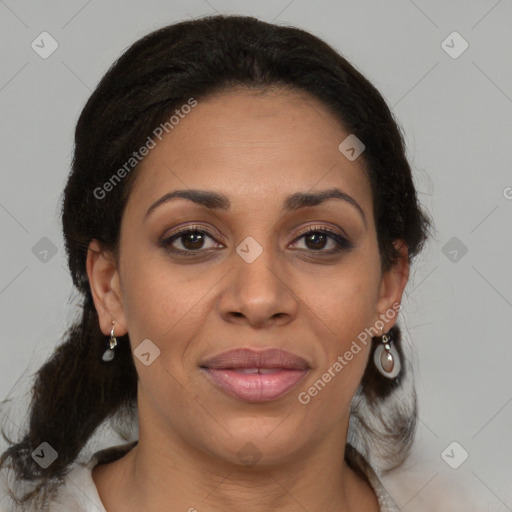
{"x": 227, "y": 372}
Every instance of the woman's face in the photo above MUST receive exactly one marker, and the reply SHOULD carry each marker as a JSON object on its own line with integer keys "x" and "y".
{"x": 248, "y": 276}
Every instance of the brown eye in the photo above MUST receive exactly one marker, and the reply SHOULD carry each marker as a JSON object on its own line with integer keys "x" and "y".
{"x": 317, "y": 240}
{"x": 192, "y": 240}
{"x": 188, "y": 241}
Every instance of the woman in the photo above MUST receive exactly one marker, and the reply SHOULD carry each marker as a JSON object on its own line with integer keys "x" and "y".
{"x": 240, "y": 219}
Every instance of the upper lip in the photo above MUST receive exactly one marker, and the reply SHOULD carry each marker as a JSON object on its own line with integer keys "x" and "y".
{"x": 248, "y": 358}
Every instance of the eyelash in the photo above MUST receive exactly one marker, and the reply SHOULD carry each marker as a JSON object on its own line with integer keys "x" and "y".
{"x": 342, "y": 244}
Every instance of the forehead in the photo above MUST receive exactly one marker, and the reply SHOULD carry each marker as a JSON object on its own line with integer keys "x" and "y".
{"x": 252, "y": 145}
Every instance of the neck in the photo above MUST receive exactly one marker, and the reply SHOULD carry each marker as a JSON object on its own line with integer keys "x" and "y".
{"x": 158, "y": 475}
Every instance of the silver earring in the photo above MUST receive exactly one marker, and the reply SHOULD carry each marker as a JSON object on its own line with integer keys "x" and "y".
{"x": 108, "y": 355}
{"x": 386, "y": 358}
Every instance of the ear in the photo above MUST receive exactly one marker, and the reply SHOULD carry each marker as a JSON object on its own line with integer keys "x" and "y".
{"x": 105, "y": 288}
{"x": 392, "y": 286}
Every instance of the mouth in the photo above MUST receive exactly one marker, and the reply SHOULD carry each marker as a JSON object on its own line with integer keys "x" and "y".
{"x": 255, "y": 376}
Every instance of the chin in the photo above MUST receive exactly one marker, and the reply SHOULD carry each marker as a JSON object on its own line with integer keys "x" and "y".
{"x": 268, "y": 441}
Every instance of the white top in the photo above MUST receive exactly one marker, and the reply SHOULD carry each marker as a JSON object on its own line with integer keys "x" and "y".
{"x": 78, "y": 493}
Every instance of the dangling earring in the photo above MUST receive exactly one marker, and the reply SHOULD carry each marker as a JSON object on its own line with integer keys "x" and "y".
{"x": 108, "y": 355}
{"x": 386, "y": 358}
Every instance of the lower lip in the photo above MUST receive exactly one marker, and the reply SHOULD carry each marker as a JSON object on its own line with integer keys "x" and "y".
{"x": 255, "y": 387}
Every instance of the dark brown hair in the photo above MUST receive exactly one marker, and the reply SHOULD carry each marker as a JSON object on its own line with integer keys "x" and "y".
{"x": 75, "y": 391}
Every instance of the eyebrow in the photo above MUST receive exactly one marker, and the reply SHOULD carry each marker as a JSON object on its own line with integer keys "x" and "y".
{"x": 216, "y": 201}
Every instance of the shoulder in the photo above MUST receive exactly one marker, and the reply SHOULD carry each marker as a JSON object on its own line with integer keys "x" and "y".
{"x": 76, "y": 492}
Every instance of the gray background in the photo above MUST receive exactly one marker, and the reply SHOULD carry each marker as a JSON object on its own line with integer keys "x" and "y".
{"x": 457, "y": 117}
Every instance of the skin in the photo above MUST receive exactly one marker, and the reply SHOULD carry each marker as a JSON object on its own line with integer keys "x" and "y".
{"x": 256, "y": 148}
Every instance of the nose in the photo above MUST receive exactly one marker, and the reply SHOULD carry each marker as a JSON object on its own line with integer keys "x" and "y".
{"x": 259, "y": 293}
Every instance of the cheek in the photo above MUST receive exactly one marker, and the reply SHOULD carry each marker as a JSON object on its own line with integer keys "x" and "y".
{"x": 346, "y": 312}
{"x": 348, "y": 299}
{"x": 346, "y": 306}
{"x": 164, "y": 303}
